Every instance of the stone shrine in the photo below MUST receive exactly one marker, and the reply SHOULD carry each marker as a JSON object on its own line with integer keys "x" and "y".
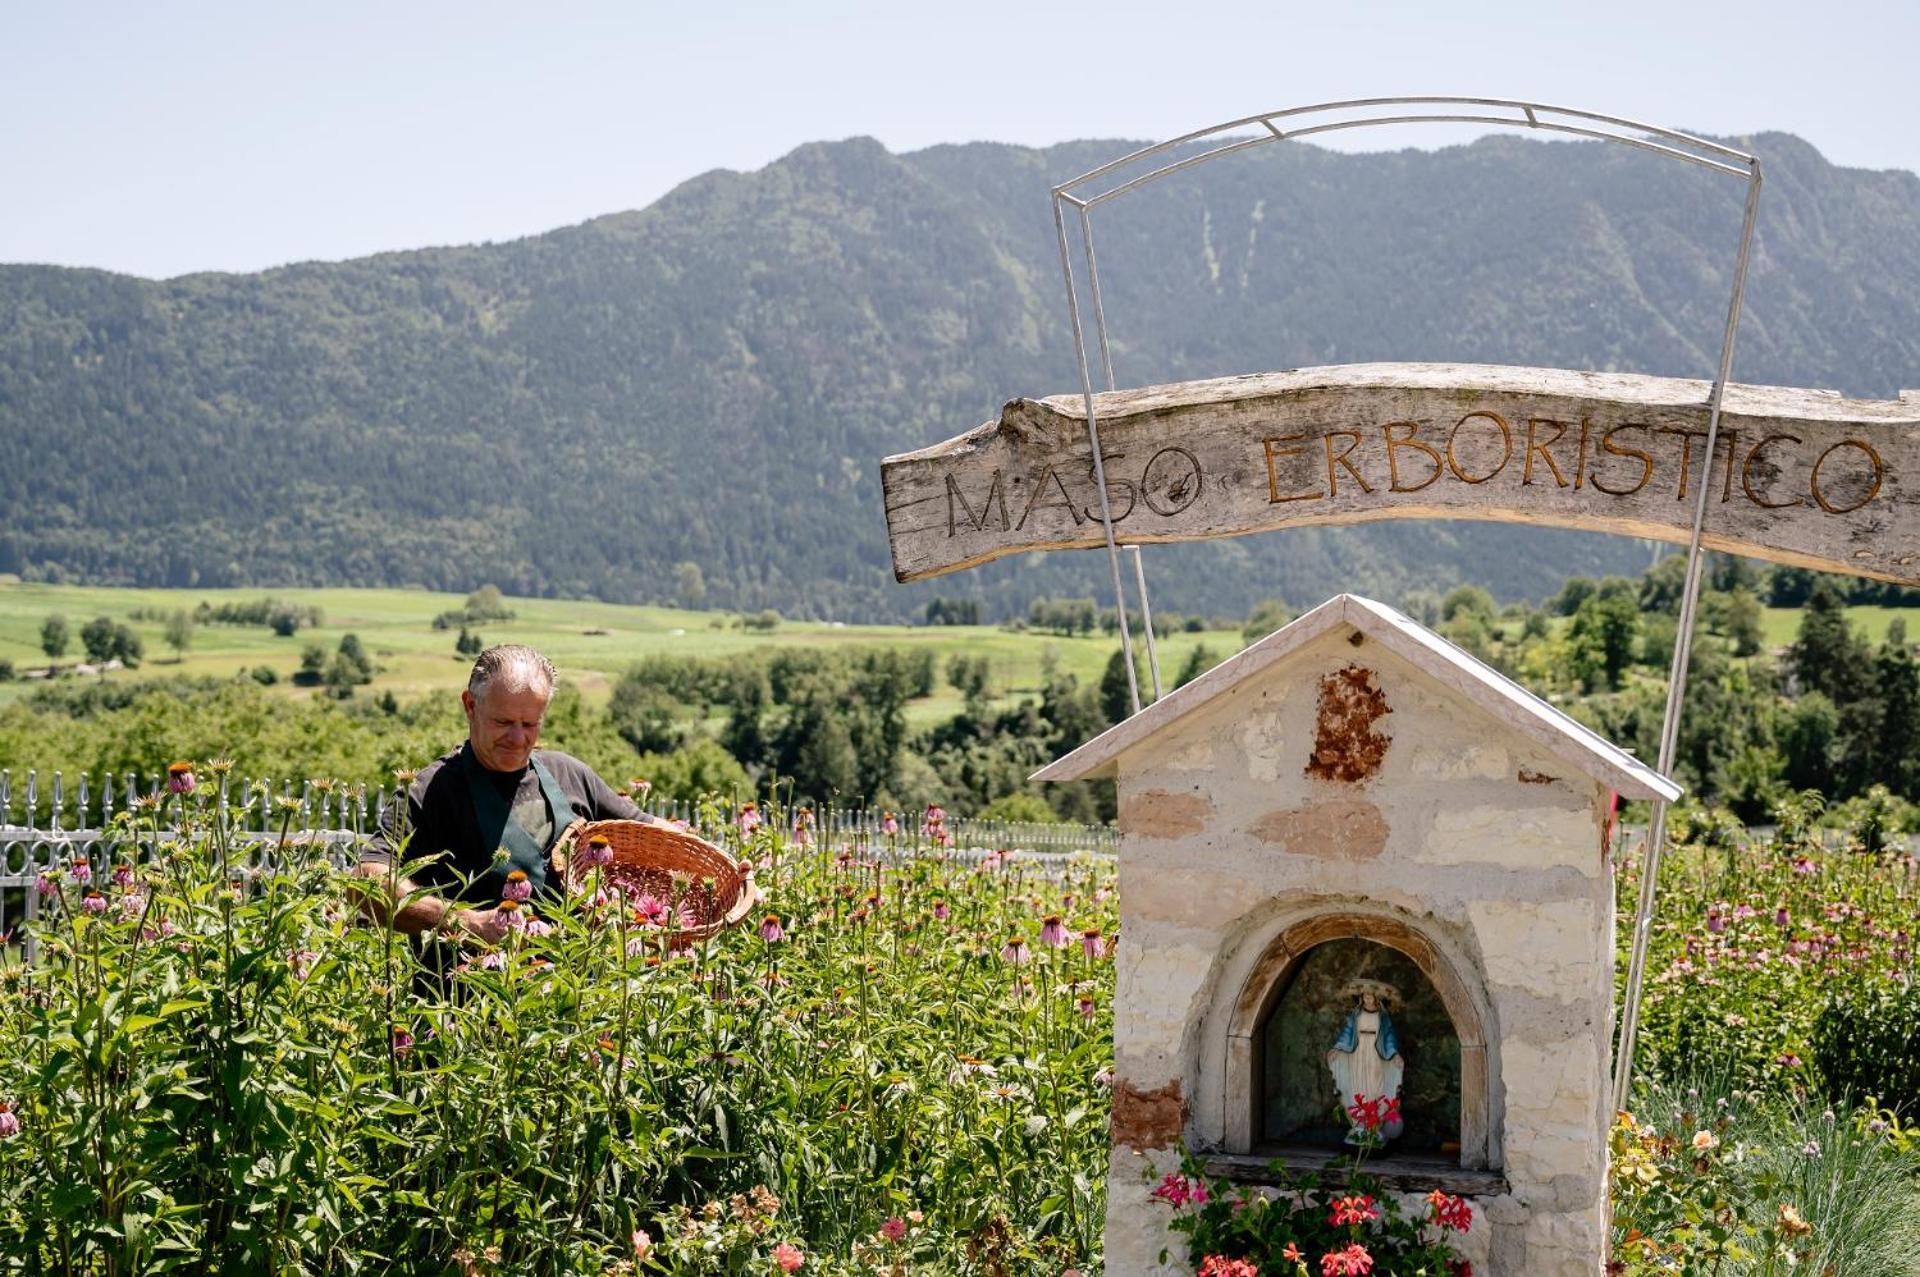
{"x": 1354, "y": 835}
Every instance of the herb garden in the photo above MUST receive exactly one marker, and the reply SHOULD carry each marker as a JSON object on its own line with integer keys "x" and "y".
{"x": 216, "y": 1065}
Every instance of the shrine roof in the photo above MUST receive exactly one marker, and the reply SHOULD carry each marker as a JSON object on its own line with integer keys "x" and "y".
{"x": 1451, "y": 666}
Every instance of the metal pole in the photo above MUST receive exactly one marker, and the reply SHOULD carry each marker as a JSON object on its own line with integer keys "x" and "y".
{"x": 1146, "y": 618}
{"x": 1093, "y": 438}
{"x": 1677, "y": 677}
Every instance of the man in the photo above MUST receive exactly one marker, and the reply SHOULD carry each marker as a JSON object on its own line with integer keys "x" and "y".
{"x": 494, "y": 794}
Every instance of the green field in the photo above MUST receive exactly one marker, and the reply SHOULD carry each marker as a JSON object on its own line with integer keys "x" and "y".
{"x": 590, "y": 642}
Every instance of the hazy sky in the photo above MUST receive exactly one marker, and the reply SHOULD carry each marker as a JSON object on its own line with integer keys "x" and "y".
{"x": 166, "y": 138}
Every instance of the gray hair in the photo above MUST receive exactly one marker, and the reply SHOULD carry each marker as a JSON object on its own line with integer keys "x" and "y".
{"x": 519, "y": 666}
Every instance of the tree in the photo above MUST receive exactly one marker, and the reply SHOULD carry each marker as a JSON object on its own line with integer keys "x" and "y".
{"x": 1198, "y": 662}
{"x": 1602, "y": 639}
{"x": 1664, "y": 583}
{"x": 1828, "y": 656}
{"x": 487, "y": 604}
{"x": 1897, "y": 742}
{"x": 1116, "y": 699}
{"x": 689, "y": 584}
{"x": 356, "y": 658}
{"x": 180, "y": 633}
{"x": 54, "y": 638}
{"x": 645, "y": 716}
{"x": 1807, "y": 739}
{"x": 1743, "y": 620}
{"x": 127, "y": 647}
{"x": 97, "y": 636}
{"x": 469, "y": 643}
{"x": 1471, "y": 599}
{"x": 1267, "y": 616}
{"x": 1577, "y": 590}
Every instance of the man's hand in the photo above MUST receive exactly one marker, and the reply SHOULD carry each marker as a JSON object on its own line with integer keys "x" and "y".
{"x": 488, "y": 925}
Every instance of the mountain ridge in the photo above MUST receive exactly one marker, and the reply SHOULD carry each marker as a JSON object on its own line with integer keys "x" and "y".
{"x": 713, "y": 378}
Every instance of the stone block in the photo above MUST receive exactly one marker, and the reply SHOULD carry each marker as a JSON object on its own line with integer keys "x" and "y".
{"x": 1551, "y": 949}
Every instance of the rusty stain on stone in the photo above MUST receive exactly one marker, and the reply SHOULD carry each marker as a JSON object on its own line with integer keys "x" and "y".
{"x": 1345, "y": 745}
{"x": 1159, "y": 813}
{"x": 1148, "y": 1119}
{"x": 1342, "y": 829}
{"x": 1528, "y": 776}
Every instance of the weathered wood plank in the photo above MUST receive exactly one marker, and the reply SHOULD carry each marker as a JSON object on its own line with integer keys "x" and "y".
{"x": 1804, "y": 477}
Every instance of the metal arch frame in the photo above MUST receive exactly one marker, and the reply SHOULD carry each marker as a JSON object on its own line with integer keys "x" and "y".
{"x": 1535, "y": 116}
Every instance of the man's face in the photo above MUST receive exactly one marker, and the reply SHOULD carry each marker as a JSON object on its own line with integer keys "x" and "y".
{"x": 504, "y": 725}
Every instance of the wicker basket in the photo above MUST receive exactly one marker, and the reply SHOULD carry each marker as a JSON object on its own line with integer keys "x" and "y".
{"x": 708, "y": 891}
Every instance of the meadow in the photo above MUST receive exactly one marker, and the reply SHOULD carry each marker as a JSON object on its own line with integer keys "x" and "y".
{"x": 590, "y": 642}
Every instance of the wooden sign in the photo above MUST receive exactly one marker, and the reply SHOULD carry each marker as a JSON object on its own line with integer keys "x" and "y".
{"x": 1803, "y": 477}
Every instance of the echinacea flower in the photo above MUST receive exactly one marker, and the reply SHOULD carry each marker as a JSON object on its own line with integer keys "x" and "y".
{"x": 123, "y": 875}
{"x": 1092, "y": 944}
{"x": 888, "y": 825}
{"x": 82, "y": 871}
{"x": 790, "y": 1257}
{"x": 509, "y": 909}
{"x": 749, "y": 819}
{"x": 517, "y": 887}
{"x": 770, "y": 929}
{"x": 180, "y": 778}
{"x": 940, "y": 911}
{"x": 9, "y": 1122}
{"x": 1053, "y": 932}
{"x": 94, "y": 902}
{"x": 597, "y": 854}
{"x": 1015, "y": 951}
{"x": 538, "y": 927}
{"x": 650, "y": 910}
{"x": 402, "y": 1041}
{"x": 47, "y": 884}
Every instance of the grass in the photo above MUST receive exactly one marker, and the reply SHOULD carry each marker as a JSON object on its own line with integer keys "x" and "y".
{"x": 590, "y": 642}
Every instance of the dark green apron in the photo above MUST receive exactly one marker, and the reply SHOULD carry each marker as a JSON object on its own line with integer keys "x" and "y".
{"x": 498, "y": 828}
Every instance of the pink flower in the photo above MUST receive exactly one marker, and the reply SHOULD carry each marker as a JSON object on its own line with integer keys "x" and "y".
{"x": 1015, "y": 951}
{"x": 517, "y": 888}
{"x": 651, "y": 910}
{"x": 789, "y": 1256}
{"x": 1715, "y": 922}
{"x": 1221, "y": 1266}
{"x": 94, "y": 902}
{"x": 9, "y": 1124}
{"x": 1178, "y": 1190}
{"x": 302, "y": 962}
{"x": 597, "y": 854}
{"x": 1053, "y": 933}
{"x": 642, "y": 1244}
{"x": 47, "y": 884}
{"x": 123, "y": 875}
{"x": 1352, "y": 1210}
{"x": 889, "y": 826}
{"x": 1782, "y": 917}
{"x": 894, "y": 1229}
{"x": 770, "y": 929}
{"x": 1348, "y": 1261}
{"x": 1087, "y": 1007}
{"x": 495, "y": 961}
{"x": 749, "y": 819}
{"x": 1091, "y": 943}
{"x": 82, "y": 871}
{"x": 940, "y": 910}
{"x": 180, "y": 778}
{"x": 1803, "y": 865}
{"x": 402, "y": 1041}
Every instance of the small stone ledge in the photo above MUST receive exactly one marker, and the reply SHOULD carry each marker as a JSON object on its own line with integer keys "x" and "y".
{"x": 1402, "y": 1174}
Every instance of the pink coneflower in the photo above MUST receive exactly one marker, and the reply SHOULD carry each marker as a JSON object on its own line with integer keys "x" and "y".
{"x": 790, "y": 1257}
{"x": 302, "y": 962}
{"x": 538, "y": 928}
{"x": 132, "y": 905}
{"x": 651, "y": 910}
{"x": 888, "y": 825}
{"x": 517, "y": 887}
{"x": 1782, "y": 917}
{"x": 82, "y": 871}
{"x": 123, "y": 875}
{"x": 1086, "y": 1007}
{"x": 1716, "y": 922}
{"x": 597, "y": 854}
{"x": 180, "y": 778}
{"x": 402, "y": 1041}
{"x": 94, "y": 902}
{"x": 894, "y": 1229}
{"x": 510, "y": 910}
{"x": 495, "y": 961}
{"x": 47, "y": 884}
{"x": 1803, "y": 865}
{"x": 940, "y": 911}
{"x": 1016, "y": 951}
{"x": 1103, "y": 1078}
{"x": 1091, "y": 943}
{"x": 749, "y": 819}
{"x": 770, "y": 929}
{"x": 9, "y": 1123}
{"x": 1053, "y": 932}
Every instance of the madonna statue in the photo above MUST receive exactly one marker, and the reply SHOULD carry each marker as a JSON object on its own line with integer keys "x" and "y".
{"x": 1365, "y": 1058}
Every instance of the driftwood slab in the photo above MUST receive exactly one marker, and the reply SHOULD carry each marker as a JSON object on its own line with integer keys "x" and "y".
{"x": 1803, "y": 477}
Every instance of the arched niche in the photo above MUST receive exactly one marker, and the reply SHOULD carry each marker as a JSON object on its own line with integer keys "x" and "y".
{"x": 1288, "y": 958}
